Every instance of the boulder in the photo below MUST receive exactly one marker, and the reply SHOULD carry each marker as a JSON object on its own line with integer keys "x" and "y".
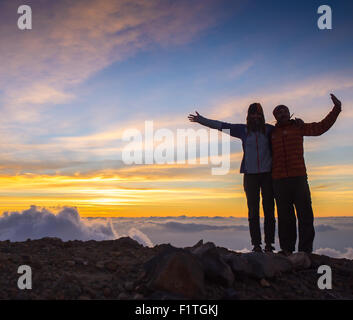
{"x": 259, "y": 265}
{"x": 127, "y": 242}
{"x": 214, "y": 266}
{"x": 300, "y": 260}
{"x": 177, "y": 272}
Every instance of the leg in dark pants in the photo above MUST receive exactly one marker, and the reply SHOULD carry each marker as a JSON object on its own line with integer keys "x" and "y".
{"x": 287, "y": 226}
{"x": 268, "y": 206}
{"x": 302, "y": 201}
{"x": 252, "y": 191}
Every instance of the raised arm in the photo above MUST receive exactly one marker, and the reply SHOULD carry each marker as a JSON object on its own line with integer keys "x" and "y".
{"x": 236, "y": 130}
{"x": 214, "y": 124}
{"x": 318, "y": 128}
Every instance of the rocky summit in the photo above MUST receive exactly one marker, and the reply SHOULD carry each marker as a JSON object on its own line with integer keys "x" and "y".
{"x": 124, "y": 269}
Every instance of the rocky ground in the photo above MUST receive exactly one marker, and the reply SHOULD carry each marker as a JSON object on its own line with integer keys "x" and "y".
{"x": 124, "y": 269}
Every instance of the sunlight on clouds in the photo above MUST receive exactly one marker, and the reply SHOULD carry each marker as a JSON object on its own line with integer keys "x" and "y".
{"x": 72, "y": 41}
{"x": 38, "y": 94}
{"x": 334, "y": 171}
{"x": 298, "y": 95}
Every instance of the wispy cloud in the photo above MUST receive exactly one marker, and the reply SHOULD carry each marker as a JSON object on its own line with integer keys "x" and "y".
{"x": 71, "y": 41}
{"x": 299, "y": 96}
{"x": 335, "y": 170}
{"x": 240, "y": 69}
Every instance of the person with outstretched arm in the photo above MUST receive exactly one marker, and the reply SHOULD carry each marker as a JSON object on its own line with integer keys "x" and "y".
{"x": 290, "y": 182}
{"x": 256, "y": 166}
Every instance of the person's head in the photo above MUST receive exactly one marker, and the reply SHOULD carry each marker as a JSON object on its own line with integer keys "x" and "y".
{"x": 281, "y": 113}
{"x": 255, "y": 119}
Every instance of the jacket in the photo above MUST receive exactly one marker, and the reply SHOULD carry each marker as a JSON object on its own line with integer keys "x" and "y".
{"x": 256, "y": 145}
{"x": 287, "y": 145}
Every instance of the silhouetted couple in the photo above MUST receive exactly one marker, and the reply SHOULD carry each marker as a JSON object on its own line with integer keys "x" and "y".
{"x": 273, "y": 164}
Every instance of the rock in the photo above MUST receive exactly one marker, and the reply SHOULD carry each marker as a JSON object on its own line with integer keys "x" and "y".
{"x": 166, "y": 249}
{"x": 129, "y": 285}
{"x": 26, "y": 258}
{"x": 198, "y": 244}
{"x": 81, "y": 261}
{"x": 70, "y": 263}
{"x": 107, "y": 292}
{"x": 87, "y": 291}
{"x": 259, "y": 265}
{"x": 230, "y": 294}
{"x": 138, "y": 296}
{"x": 73, "y": 290}
{"x": 52, "y": 239}
{"x": 116, "y": 253}
{"x": 177, "y": 272}
{"x": 238, "y": 263}
{"x": 120, "y": 286}
{"x": 200, "y": 248}
{"x": 162, "y": 295}
{"x": 300, "y": 260}
{"x": 215, "y": 268}
{"x": 264, "y": 283}
{"x": 111, "y": 266}
{"x": 126, "y": 242}
{"x": 100, "y": 264}
{"x": 280, "y": 263}
{"x": 36, "y": 265}
{"x": 123, "y": 296}
{"x": 142, "y": 275}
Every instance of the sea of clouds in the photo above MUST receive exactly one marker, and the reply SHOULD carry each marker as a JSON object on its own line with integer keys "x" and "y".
{"x": 334, "y": 236}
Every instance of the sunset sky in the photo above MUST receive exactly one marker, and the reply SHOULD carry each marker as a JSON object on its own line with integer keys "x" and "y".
{"x": 91, "y": 69}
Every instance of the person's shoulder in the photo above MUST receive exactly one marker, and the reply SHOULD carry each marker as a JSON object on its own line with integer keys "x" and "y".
{"x": 237, "y": 130}
{"x": 269, "y": 128}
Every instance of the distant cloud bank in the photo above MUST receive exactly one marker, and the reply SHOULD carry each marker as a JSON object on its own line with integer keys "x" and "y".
{"x": 195, "y": 227}
{"x": 348, "y": 254}
{"x": 334, "y": 236}
{"x": 36, "y": 223}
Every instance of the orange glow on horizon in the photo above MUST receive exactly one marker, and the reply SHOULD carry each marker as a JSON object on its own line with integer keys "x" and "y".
{"x": 106, "y": 195}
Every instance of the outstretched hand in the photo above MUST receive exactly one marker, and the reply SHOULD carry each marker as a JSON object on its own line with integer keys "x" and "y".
{"x": 335, "y": 101}
{"x": 299, "y": 122}
{"x": 194, "y": 118}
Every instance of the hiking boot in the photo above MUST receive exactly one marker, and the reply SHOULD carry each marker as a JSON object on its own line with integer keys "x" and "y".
{"x": 285, "y": 253}
{"x": 269, "y": 248}
{"x": 257, "y": 248}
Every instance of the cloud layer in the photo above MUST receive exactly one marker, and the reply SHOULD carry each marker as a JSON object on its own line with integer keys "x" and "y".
{"x": 36, "y": 223}
{"x": 333, "y": 238}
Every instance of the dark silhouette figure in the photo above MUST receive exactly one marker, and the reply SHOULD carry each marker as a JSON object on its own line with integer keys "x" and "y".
{"x": 256, "y": 166}
{"x": 290, "y": 180}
